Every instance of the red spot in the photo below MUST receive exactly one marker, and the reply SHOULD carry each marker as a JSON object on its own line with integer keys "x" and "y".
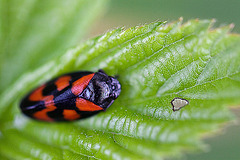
{"x": 42, "y": 115}
{"x": 85, "y": 105}
{"x": 62, "y": 82}
{"x": 37, "y": 94}
{"x": 49, "y": 104}
{"x": 70, "y": 114}
{"x": 49, "y": 101}
{"x": 79, "y": 85}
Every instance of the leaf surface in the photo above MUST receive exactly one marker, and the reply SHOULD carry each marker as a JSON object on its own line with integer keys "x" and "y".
{"x": 155, "y": 63}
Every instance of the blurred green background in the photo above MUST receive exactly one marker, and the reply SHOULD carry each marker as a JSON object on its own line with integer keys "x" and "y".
{"x": 136, "y": 12}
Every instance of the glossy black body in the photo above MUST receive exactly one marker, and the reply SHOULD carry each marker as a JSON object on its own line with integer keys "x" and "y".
{"x": 101, "y": 90}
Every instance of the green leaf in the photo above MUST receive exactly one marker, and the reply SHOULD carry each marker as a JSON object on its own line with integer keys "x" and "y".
{"x": 155, "y": 63}
{"x": 34, "y": 31}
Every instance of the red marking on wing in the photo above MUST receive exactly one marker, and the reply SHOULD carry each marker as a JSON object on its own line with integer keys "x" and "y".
{"x": 85, "y": 105}
{"x": 70, "y": 114}
{"x": 79, "y": 85}
{"x": 48, "y": 101}
{"x": 62, "y": 82}
{"x": 37, "y": 94}
{"x": 42, "y": 115}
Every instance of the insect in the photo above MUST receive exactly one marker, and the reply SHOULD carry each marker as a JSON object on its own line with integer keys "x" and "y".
{"x": 71, "y": 96}
{"x": 178, "y": 103}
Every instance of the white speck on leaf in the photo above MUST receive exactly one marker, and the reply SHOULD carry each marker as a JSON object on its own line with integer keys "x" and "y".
{"x": 178, "y": 103}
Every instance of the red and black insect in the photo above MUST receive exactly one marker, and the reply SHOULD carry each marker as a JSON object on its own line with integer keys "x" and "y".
{"x": 71, "y": 96}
